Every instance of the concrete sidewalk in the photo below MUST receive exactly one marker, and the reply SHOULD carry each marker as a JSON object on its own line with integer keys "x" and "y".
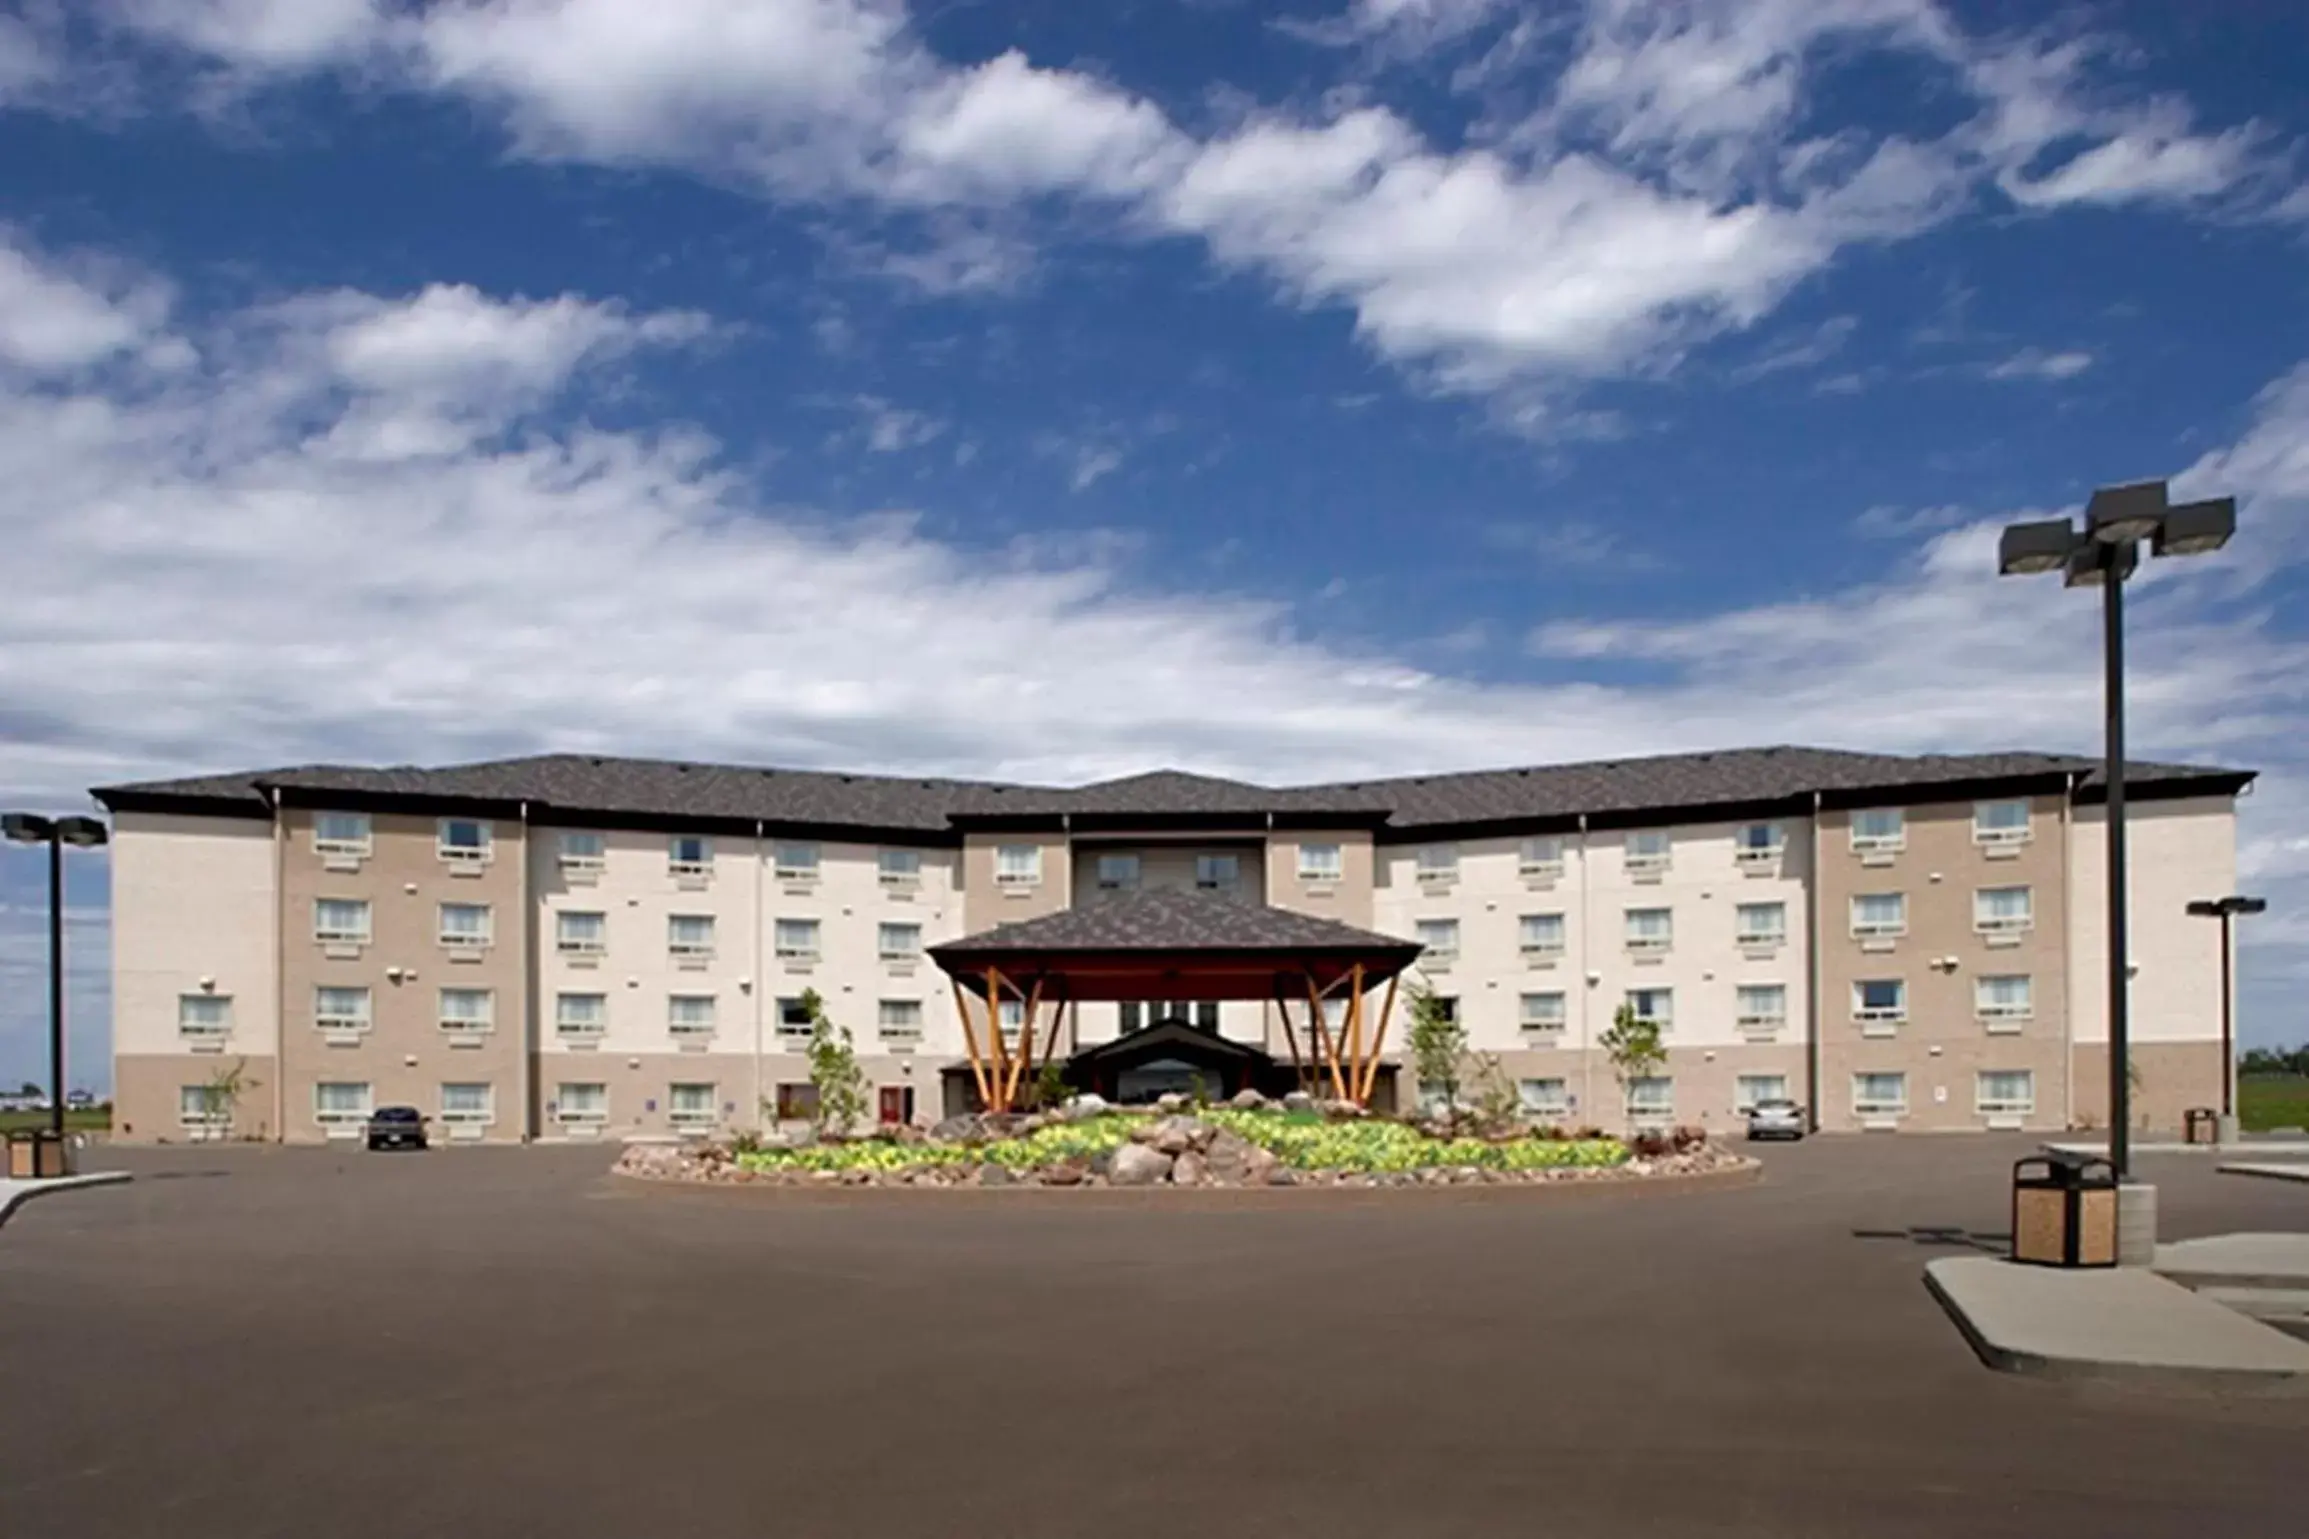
{"x": 2266, "y": 1168}
{"x": 2267, "y": 1260}
{"x": 14, "y": 1193}
{"x": 2117, "y": 1323}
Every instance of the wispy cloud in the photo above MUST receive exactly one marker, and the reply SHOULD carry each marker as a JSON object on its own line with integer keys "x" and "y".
{"x": 2038, "y": 363}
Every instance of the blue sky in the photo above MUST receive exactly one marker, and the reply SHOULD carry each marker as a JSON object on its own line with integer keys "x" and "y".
{"x": 1055, "y": 390}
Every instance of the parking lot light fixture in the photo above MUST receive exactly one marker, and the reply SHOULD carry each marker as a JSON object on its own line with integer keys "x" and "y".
{"x": 2226, "y": 910}
{"x": 56, "y": 833}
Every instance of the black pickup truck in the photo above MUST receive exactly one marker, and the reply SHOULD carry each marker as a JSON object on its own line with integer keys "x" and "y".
{"x": 396, "y": 1127}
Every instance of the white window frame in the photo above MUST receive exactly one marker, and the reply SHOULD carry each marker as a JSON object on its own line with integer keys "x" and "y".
{"x": 568, "y": 1030}
{"x": 1768, "y": 854}
{"x": 1017, "y": 875}
{"x": 691, "y": 1120}
{"x": 1540, "y": 858}
{"x": 1988, "y": 834}
{"x": 1646, "y": 1111}
{"x": 343, "y": 937}
{"x": 1776, "y": 936}
{"x": 695, "y": 951}
{"x": 1665, "y": 1021}
{"x": 1879, "y": 929}
{"x": 1870, "y": 1106}
{"x": 467, "y": 940}
{"x": 453, "y": 1118}
{"x": 1326, "y": 872}
{"x": 1117, "y": 871}
{"x": 795, "y": 1034}
{"x": 2004, "y": 924}
{"x": 343, "y": 1025}
{"x": 1641, "y": 861}
{"x": 1536, "y": 1110}
{"x": 1527, "y": 1022}
{"x": 1990, "y": 1013}
{"x": 1436, "y": 865}
{"x": 590, "y": 1117}
{"x": 1541, "y": 951}
{"x": 901, "y": 1031}
{"x": 1879, "y": 843}
{"x": 1985, "y": 1105}
{"x": 1436, "y": 953}
{"x": 906, "y": 954}
{"x": 565, "y": 945}
{"x": 595, "y": 859}
{"x": 360, "y": 844}
{"x": 206, "y": 1116}
{"x": 1867, "y": 1014}
{"x": 905, "y": 873}
{"x": 464, "y": 855}
{"x": 1010, "y": 1018}
{"x": 681, "y": 867}
{"x": 796, "y": 861}
{"x": 204, "y": 1032}
{"x": 339, "y": 1122}
{"x": 1649, "y": 945}
{"x": 1744, "y": 1100}
{"x": 690, "y": 1030}
{"x": 1206, "y": 865}
{"x": 788, "y": 951}
{"x": 465, "y": 1026}
{"x": 1757, "y": 1020}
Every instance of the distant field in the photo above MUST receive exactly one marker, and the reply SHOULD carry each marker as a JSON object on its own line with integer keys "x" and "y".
{"x": 98, "y": 1120}
{"x": 2266, "y": 1101}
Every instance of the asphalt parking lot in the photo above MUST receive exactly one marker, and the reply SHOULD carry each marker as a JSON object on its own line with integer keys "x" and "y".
{"x": 262, "y": 1341}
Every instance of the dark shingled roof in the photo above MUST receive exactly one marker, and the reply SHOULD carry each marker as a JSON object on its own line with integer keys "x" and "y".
{"x": 596, "y": 785}
{"x": 1165, "y": 919}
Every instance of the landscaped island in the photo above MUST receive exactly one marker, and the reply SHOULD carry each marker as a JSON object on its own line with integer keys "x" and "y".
{"x": 1248, "y": 1142}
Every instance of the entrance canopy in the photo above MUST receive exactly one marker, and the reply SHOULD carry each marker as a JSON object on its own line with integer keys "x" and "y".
{"x": 1175, "y": 944}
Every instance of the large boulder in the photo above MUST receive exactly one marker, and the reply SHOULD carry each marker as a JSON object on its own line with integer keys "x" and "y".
{"x": 996, "y": 1175}
{"x": 1188, "y": 1169}
{"x": 1229, "y": 1155}
{"x": 1087, "y": 1104}
{"x": 1247, "y": 1099}
{"x": 1343, "y": 1111}
{"x": 1171, "y": 1102}
{"x": 1176, "y": 1135}
{"x": 1139, "y": 1165}
{"x": 965, "y": 1129}
{"x": 1065, "y": 1173}
{"x": 1298, "y": 1101}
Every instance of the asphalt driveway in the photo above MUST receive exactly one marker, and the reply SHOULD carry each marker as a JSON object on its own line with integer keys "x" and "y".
{"x": 260, "y": 1341}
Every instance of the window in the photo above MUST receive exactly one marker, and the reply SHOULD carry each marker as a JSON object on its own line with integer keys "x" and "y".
{"x": 899, "y": 942}
{"x": 1650, "y": 930}
{"x": 204, "y": 1017}
{"x": 1540, "y": 936}
{"x": 795, "y": 1024}
{"x": 1201, "y": 1013}
{"x": 1648, "y": 851}
{"x": 1117, "y": 872}
{"x": 344, "y": 920}
{"x": 1748, "y": 1089}
{"x": 465, "y": 924}
{"x": 1542, "y": 1098}
{"x": 1013, "y": 1018}
{"x": 797, "y": 1103}
{"x": 1879, "y": 1095}
{"x": 2004, "y": 1092}
{"x": 1018, "y": 865}
{"x": 581, "y": 1104}
{"x": 580, "y": 1015}
{"x": 1657, "y": 1006}
{"x": 1438, "y": 863}
{"x": 1758, "y": 843}
{"x": 1762, "y": 1005}
{"x": 1440, "y": 937}
{"x": 466, "y": 1011}
{"x": 1880, "y": 999}
{"x": 899, "y": 868}
{"x": 2001, "y": 910}
{"x": 689, "y": 1107}
{"x": 2004, "y": 822}
{"x": 1879, "y": 828}
{"x": 337, "y": 1008}
{"x": 1320, "y": 863}
{"x": 1446, "y": 1008}
{"x": 1761, "y": 924}
{"x": 1879, "y": 915}
{"x": 1541, "y": 857}
{"x": 464, "y": 841}
{"x": 689, "y": 855}
{"x": 1218, "y": 873}
{"x": 794, "y": 862}
{"x": 341, "y": 1106}
{"x": 689, "y": 1015}
{"x": 899, "y": 1019}
{"x": 580, "y": 933}
{"x": 583, "y": 851}
{"x": 689, "y": 935}
{"x": 199, "y": 1109}
{"x": 796, "y": 940}
{"x": 1652, "y": 1098}
{"x": 341, "y": 833}
{"x": 2009, "y": 997}
{"x": 1540, "y": 1012}
{"x": 472, "y": 1105}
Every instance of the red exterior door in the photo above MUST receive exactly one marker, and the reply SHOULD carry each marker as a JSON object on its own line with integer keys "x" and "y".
{"x": 897, "y": 1104}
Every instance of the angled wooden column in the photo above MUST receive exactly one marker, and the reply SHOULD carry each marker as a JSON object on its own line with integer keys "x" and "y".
{"x": 998, "y": 1051}
{"x": 1378, "y": 1042}
{"x": 1025, "y": 1060}
{"x": 1325, "y": 1048}
{"x": 970, "y": 1042}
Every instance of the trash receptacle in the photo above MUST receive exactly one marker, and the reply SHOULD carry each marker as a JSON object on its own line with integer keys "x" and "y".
{"x": 2201, "y": 1125}
{"x": 2064, "y": 1210}
{"x": 36, "y": 1154}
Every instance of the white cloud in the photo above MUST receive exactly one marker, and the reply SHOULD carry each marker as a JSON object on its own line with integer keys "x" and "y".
{"x": 57, "y": 316}
{"x": 257, "y": 35}
{"x": 2038, "y": 363}
{"x": 1007, "y": 129}
{"x": 889, "y": 429}
{"x": 29, "y": 59}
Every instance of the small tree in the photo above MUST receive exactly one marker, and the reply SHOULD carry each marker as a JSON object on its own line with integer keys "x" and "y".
{"x": 220, "y": 1096}
{"x": 1438, "y": 1044}
{"x": 1633, "y": 1045}
{"x": 834, "y": 1071}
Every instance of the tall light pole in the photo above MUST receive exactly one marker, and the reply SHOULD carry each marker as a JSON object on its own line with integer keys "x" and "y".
{"x": 2226, "y": 910}
{"x": 2104, "y": 553}
{"x": 56, "y": 833}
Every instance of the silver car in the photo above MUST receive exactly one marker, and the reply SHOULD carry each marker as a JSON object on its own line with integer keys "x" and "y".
{"x": 1775, "y": 1119}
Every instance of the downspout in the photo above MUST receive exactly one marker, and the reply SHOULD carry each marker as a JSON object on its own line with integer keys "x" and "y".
{"x": 760, "y": 983}
{"x": 1586, "y": 992}
{"x": 280, "y": 976}
{"x": 2068, "y": 954}
{"x": 526, "y": 1075}
{"x": 1812, "y": 980}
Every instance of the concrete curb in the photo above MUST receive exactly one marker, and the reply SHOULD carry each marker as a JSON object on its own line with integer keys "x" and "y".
{"x": 14, "y": 1194}
{"x": 2267, "y": 1170}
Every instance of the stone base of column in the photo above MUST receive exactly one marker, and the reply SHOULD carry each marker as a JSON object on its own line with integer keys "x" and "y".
{"x": 2136, "y": 1224}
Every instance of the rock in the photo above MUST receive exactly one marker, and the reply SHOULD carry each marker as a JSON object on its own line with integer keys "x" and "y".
{"x": 1176, "y": 1135}
{"x": 1188, "y": 1169}
{"x": 1100, "y": 1164}
{"x": 1088, "y": 1104}
{"x": 1139, "y": 1165}
{"x": 1259, "y": 1164}
{"x": 1298, "y": 1101}
{"x": 1170, "y": 1102}
{"x": 1031, "y": 1122}
{"x": 1282, "y": 1175}
{"x": 958, "y": 1130}
{"x": 1341, "y": 1111}
{"x": 825, "y": 1177}
{"x": 1065, "y": 1173}
{"x": 996, "y": 1175}
{"x": 1247, "y": 1099}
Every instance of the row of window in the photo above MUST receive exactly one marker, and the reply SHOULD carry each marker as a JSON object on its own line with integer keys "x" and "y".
{"x": 1119, "y": 872}
{"x": 585, "y": 932}
{"x": 1997, "y": 998}
{"x": 1541, "y": 937}
{"x": 1996, "y": 911}
{"x": 473, "y": 840}
{"x": 1995, "y": 1093}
